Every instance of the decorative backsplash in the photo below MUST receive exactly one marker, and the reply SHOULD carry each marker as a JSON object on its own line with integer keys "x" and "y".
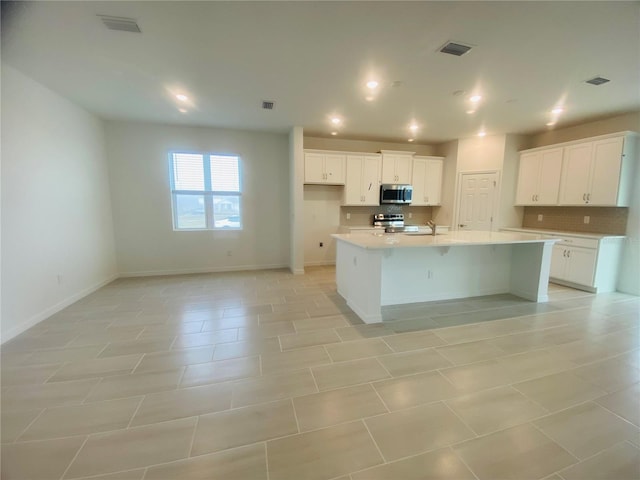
{"x": 363, "y": 215}
{"x": 612, "y": 220}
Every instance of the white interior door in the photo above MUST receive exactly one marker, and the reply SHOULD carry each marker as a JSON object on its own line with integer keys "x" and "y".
{"x": 477, "y": 200}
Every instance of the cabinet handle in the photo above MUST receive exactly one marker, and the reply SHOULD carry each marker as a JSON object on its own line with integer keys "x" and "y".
{"x": 568, "y": 253}
{"x": 537, "y": 198}
{"x": 584, "y": 197}
{"x": 588, "y": 197}
{"x": 533, "y": 198}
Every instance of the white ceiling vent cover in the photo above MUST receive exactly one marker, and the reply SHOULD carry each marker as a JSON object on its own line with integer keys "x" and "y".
{"x": 455, "y": 48}
{"x": 597, "y": 81}
{"x": 122, "y": 24}
{"x": 268, "y": 104}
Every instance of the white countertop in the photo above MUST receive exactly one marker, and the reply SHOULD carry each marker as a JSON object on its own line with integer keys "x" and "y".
{"x": 376, "y": 240}
{"x": 596, "y": 236}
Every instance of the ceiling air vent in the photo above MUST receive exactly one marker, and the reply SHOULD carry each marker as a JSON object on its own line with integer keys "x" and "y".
{"x": 456, "y": 49}
{"x": 267, "y": 105}
{"x": 121, "y": 24}
{"x": 597, "y": 81}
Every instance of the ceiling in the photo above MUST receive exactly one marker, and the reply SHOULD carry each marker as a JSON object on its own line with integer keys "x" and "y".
{"x": 313, "y": 60}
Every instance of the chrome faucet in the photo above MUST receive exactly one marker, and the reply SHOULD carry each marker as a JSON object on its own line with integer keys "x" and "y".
{"x": 432, "y": 224}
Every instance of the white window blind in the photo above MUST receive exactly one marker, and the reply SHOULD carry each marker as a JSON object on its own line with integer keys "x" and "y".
{"x": 205, "y": 191}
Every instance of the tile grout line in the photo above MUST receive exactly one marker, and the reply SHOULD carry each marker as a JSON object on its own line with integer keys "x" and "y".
{"x": 74, "y": 457}
{"x": 266, "y": 458}
{"x": 384, "y": 460}
{"x": 295, "y": 415}
{"x": 554, "y": 441}
{"x": 23, "y": 431}
{"x": 193, "y": 436}
{"x": 444, "y": 402}
{"x": 135, "y": 412}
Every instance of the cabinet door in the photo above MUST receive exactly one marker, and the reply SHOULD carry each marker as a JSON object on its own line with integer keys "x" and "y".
{"x": 581, "y": 265}
{"x": 576, "y": 174}
{"x": 353, "y": 182}
{"x": 334, "y": 168}
{"x": 528, "y": 178}
{"x": 433, "y": 182}
{"x": 371, "y": 173}
{"x": 558, "y": 261}
{"x": 605, "y": 171}
{"x": 314, "y": 168}
{"x": 403, "y": 169}
{"x": 389, "y": 169}
{"x": 419, "y": 181}
{"x": 549, "y": 177}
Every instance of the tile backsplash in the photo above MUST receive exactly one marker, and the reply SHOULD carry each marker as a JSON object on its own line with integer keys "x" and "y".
{"x": 361, "y": 216}
{"x": 612, "y": 220}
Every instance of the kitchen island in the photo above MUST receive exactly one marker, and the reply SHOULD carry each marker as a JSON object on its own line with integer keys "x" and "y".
{"x": 378, "y": 269}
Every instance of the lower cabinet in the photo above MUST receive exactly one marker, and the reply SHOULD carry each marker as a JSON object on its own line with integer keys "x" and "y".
{"x": 587, "y": 263}
{"x": 573, "y": 264}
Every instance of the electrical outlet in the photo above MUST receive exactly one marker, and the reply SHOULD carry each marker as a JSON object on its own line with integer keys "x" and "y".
{"x": 539, "y": 218}
{"x": 587, "y": 219}
{"x": 348, "y": 216}
{"x": 410, "y": 215}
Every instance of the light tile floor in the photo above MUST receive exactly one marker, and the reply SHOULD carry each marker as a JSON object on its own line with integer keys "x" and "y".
{"x": 266, "y": 375}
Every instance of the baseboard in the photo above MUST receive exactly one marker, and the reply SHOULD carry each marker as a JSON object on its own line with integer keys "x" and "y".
{"x": 188, "y": 271}
{"x": 319, "y": 264}
{"x": 18, "y": 329}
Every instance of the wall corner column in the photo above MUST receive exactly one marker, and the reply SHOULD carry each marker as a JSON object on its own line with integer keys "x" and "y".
{"x": 296, "y": 200}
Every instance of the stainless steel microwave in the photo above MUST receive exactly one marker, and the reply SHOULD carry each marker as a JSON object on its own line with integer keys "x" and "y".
{"x": 395, "y": 193}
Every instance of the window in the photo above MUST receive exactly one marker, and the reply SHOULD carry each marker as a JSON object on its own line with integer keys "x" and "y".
{"x": 205, "y": 191}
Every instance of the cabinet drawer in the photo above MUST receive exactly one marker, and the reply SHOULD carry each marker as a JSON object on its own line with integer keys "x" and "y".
{"x": 578, "y": 242}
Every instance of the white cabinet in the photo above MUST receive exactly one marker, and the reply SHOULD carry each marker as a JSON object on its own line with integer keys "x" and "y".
{"x": 539, "y": 177}
{"x": 426, "y": 180}
{"x": 362, "y": 186}
{"x": 590, "y": 264}
{"x": 597, "y": 172}
{"x": 573, "y": 264}
{"x": 324, "y": 167}
{"x": 396, "y": 166}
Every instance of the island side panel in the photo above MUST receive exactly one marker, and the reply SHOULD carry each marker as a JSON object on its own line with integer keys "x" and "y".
{"x": 530, "y": 268}
{"x": 411, "y": 275}
{"x": 358, "y": 277}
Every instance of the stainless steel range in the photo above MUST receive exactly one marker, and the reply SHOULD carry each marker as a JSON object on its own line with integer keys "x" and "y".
{"x": 392, "y": 223}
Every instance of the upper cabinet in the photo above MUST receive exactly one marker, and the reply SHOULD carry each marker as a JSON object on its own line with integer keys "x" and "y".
{"x": 427, "y": 180}
{"x": 597, "y": 172}
{"x": 362, "y": 186}
{"x": 324, "y": 167}
{"x": 396, "y": 166}
{"x": 539, "y": 177}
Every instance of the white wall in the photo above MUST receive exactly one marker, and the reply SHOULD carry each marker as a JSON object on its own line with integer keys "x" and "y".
{"x": 367, "y": 146}
{"x": 321, "y": 219}
{"x": 296, "y": 200}
{"x": 145, "y": 240}
{"x": 493, "y": 153}
{"x": 56, "y": 212}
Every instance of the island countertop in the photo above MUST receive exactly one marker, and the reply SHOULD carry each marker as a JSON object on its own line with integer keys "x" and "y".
{"x": 376, "y": 240}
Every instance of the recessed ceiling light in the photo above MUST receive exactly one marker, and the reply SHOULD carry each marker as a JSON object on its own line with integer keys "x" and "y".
{"x": 475, "y": 98}
{"x": 482, "y": 133}
{"x": 413, "y": 127}
{"x": 470, "y": 112}
{"x": 335, "y": 120}
{"x": 551, "y": 124}
{"x": 557, "y": 110}
{"x": 334, "y": 133}
{"x": 369, "y": 98}
{"x": 372, "y": 84}
{"x": 182, "y": 97}
{"x": 182, "y": 110}
{"x": 411, "y": 140}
